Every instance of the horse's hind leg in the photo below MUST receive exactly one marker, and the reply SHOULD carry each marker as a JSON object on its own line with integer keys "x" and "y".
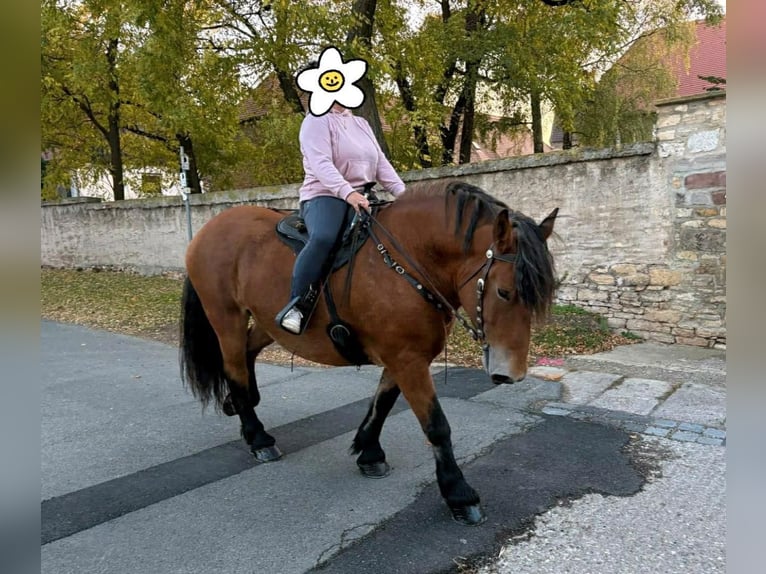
{"x": 372, "y": 460}
{"x": 257, "y": 340}
{"x": 238, "y": 368}
{"x": 417, "y": 385}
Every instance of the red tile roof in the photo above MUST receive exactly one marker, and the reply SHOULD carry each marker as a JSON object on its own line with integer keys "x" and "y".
{"x": 707, "y": 57}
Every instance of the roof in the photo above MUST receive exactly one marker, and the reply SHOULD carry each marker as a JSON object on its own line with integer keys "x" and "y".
{"x": 707, "y": 57}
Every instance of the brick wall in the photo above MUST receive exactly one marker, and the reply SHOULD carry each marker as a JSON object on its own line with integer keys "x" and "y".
{"x": 640, "y": 239}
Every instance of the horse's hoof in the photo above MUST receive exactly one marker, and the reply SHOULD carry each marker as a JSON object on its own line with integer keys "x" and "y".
{"x": 375, "y": 469}
{"x": 471, "y": 515}
{"x": 267, "y": 454}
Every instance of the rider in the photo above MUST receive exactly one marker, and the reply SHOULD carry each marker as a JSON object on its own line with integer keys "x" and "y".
{"x": 340, "y": 155}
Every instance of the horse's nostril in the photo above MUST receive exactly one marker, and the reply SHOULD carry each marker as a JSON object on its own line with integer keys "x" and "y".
{"x": 501, "y": 379}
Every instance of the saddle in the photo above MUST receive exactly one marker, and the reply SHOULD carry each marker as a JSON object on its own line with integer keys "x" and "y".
{"x": 293, "y": 232}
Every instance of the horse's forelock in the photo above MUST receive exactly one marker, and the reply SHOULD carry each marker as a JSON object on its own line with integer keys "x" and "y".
{"x": 535, "y": 272}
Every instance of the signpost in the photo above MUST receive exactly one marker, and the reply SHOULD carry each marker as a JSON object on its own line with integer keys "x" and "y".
{"x": 185, "y": 192}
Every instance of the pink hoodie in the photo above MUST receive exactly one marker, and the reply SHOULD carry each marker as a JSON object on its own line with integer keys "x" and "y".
{"x": 340, "y": 155}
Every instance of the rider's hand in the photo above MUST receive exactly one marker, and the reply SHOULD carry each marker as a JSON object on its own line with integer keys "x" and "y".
{"x": 358, "y": 201}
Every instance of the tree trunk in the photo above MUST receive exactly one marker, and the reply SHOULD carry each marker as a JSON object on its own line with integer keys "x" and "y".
{"x": 567, "y": 143}
{"x": 449, "y": 133}
{"x": 369, "y": 111}
{"x": 287, "y": 84}
{"x": 537, "y": 121}
{"x": 361, "y": 32}
{"x": 405, "y": 90}
{"x": 473, "y": 19}
{"x": 192, "y": 176}
{"x": 113, "y": 135}
{"x": 466, "y": 134}
{"x": 115, "y": 155}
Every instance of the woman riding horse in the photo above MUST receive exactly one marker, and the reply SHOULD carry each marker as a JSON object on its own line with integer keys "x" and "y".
{"x": 340, "y": 155}
{"x": 454, "y": 242}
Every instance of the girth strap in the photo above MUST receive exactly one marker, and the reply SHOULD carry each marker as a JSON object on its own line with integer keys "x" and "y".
{"x": 342, "y": 334}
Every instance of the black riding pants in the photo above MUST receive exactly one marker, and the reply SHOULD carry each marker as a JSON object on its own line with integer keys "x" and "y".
{"x": 324, "y": 217}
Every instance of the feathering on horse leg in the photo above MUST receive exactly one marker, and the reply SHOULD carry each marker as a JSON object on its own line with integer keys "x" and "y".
{"x": 372, "y": 460}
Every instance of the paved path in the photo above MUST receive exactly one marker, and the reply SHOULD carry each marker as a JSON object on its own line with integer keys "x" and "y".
{"x": 614, "y": 460}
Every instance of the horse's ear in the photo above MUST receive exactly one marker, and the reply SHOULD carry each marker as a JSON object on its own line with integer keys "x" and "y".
{"x": 503, "y": 232}
{"x": 546, "y": 226}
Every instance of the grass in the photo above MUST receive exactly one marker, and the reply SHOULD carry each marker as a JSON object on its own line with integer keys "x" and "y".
{"x": 149, "y": 307}
{"x": 569, "y": 330}
{"x": 118, "y": 302}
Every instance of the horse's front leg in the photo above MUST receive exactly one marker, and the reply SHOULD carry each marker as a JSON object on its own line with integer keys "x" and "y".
{"x": 417, "y": 385}
{"x": 372, "y": 460}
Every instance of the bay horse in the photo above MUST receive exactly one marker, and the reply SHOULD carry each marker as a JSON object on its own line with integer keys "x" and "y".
{"x": 456, "y": 243}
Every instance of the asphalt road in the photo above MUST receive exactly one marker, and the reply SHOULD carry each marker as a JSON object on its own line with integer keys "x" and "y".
{"x": 137, "y": 478}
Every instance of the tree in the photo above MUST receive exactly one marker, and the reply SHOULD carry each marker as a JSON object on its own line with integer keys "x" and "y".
{"x": 82, "y": 88}
{"x": 189, "y": 92}
{"x": 155, "y": 83}
{"x": 281, "y": 37}
{"x": 619, "y": 108}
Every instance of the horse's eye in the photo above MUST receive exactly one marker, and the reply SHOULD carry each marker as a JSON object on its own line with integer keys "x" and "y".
{"x": 503, "y": 294}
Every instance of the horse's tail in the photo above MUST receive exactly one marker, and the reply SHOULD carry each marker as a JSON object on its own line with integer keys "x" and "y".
{"x": 200, "y": 353}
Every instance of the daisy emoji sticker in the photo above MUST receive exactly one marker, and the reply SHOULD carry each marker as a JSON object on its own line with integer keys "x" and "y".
{"x": 332, "y": 81}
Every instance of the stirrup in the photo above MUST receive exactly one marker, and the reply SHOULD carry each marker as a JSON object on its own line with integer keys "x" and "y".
{"x": 305, "y": 303}
{"x": 293, "y": 304}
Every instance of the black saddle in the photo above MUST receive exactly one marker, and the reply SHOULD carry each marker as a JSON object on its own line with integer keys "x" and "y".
{"x": 292, "y": 231}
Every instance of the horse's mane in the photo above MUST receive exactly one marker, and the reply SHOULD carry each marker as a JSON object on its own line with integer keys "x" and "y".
{"x": 535, "y": 273}
{"x": 466, "y": 200}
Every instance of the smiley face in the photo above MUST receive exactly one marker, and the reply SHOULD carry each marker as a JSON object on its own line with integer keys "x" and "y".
{"x": 331, "y": 80}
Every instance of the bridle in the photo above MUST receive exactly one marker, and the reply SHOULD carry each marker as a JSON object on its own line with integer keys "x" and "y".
{"x": 432, "y": 295}
{"x": 478, "y": 332}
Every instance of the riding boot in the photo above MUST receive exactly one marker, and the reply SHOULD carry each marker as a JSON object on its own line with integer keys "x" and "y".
{"x": 296, "y": 314}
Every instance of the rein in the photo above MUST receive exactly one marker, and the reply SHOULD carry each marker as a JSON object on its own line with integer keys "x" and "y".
{"x": 434, "y": 297}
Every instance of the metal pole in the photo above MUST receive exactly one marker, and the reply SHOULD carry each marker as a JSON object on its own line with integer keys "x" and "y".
{"x": 185, "y": 191}
{"x": 188, "y": 216}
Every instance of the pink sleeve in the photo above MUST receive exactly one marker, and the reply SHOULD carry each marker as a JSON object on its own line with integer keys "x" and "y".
{"x": 316, "y": 145}
{"x": 386, "y": 174}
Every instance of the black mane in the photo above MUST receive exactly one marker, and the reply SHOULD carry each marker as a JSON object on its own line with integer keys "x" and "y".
{"x": 473, "y": 207}
{"x": 467, "y": 196}
{"x": 535, "y": 274}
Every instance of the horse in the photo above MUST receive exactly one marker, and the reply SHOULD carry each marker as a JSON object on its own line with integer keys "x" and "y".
{"x": 458, "y": 246}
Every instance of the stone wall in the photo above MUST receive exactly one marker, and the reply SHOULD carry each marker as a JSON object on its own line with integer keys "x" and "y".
{"x": 681, "y": 297}
{"x": 147, "y": 236}
{"x": 640, "y": 236}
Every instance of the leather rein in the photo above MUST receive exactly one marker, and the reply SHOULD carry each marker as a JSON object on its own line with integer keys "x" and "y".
{"x": 432, "y": 295}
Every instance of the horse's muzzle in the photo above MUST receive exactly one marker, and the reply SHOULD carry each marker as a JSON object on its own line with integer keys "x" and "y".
{"x": 500, "y": 369}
